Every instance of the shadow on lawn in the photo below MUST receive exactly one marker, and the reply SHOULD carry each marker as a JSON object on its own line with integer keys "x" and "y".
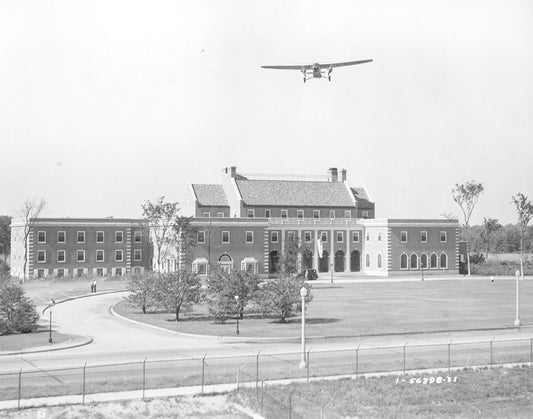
{"x": 315, "y": 320}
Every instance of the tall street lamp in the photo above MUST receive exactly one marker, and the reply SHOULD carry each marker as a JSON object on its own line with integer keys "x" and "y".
{"x": 52, "y": 304}
{"x": 517, "y": 321}
{"x": 238, "y": 314}
{"x": 303, "y": 294}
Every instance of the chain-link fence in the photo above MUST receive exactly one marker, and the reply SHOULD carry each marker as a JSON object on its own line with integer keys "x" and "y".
{"x": 201, "y": 375}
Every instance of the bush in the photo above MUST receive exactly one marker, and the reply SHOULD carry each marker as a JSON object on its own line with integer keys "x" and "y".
{"x": 499, "y": 268}
{"x": 17, "y": 312}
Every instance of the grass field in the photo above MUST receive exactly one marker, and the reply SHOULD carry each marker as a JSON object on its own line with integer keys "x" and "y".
{"x": 497, "y": 393}
{"x": 350, "y": 309}
{"x": 21, "y": 341}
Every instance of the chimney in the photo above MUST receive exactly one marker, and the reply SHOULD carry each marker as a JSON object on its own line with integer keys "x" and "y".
{"x": 333, "y": 174}
{"x": 343, "y": 175}
{"x": 232, "y": 171}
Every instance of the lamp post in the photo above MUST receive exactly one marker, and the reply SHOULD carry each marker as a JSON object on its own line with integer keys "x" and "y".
{"x": 331, "y": 269}
{"x": 517, "y": 320}
{"x": 303, "y": 294}
{"x": 238, "y": 314}
{"x": 52, "y": 304}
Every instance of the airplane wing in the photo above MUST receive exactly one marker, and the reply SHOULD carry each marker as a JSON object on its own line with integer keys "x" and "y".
{"x": 333, "y": 65}
{"x": 286, "y": 67}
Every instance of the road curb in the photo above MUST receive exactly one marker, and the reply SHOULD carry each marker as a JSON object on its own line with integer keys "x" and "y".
{"x": 86, "y": 341}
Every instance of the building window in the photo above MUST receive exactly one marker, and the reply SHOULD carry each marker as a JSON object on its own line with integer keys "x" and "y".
{"x": 423, "y": 237}
{"x": 267, "y": 213}
{"x": 355, "y": 236}
{"x": 61, "y": 256}
{"x": 379, "y": 261}
{"x": 340, "y": 236}
{"x": 433, "y": 261}
{"x": 403, "y": 261}
{"x": 99, "y": 255}
{"x": 414, "y": 261}
{"x": 284, "y": 214}
{"x": 41, "y": 256}
{"x": 403, "y": 236}
{"x": 40, "y": 273}
{"x": 41, "y": 237}
{"x": 324, "y": 236}
{"x": 251, "y": 213}
{"x": 206, "y": 214}
{"x": 347, "y": 214}
{"x": 137, "y": 255}
{"x": 80, "y": 236}
{"x": 61, "y": 237}
{"x": 365, "y": 214}
{"x": 424, "y": 261}
{"x": 225, "y": 263}
{"x": 118, "y": 271}
{"x": 307, "y": 236}
{"x": 379, "y": 237}
{"x": 80, "y": 256}
{"x": 316, "y": 214}
{"x": 220, "y": 215}
{"x": 60, "y": 273}
{"x": 249, "y": 237}
{"x": 300, "y": 214}
{"x": 79, "y": 272}
{"x": 443, "y": 237}
{"x": 99, "y": 272}
{"x": 137, "y": 236}
{"x": 200, "y": 237}
{"x": 118, "y": 255}
{"x": 119, "y": 236}
{"x": 225, "y": 237}
{"x": 291, "y": 236}
{"x": 443, "y": 261}
{"x": 249, "y": 265}
{"x": 99, "y": 237}
{"x": 274, "y": 236}
{"x": 367, "y": 260}
{"x": 199, "y": 266}
{"x": 367, "y": 236}
{"x": 332, "y": 214}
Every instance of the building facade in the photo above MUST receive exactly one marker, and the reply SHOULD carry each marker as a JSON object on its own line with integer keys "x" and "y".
{"x": 75, "y": 247}
{"x": 247, "y": 222}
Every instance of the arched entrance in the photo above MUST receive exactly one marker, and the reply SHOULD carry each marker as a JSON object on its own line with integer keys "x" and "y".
{"x": 339, "y": 261}
{"x": 355, "y": 261}
{"x": 225, "y": 263}
{"x": 323, "y": 262}
{"x": 307, "y": 259}
{"x": 273, "y": 266}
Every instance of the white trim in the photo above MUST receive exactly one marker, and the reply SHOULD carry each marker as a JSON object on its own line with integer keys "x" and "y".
{"x": 43, "y": 252}
{"x": 206, "y": 215}
{"x": 364, "y": 214}
{"x": 121, "y": 255}
{"x": 198, "y": 241}
{"x": 246, "y": 237}
{"x": 64, "y": 236}
{"x": 427, "y": 261}
{"x": 315, "y": 212}
{"x": 250, "y": 211}
{"x": 64, "y": 252}
{"x": 77, "y": 256}
{"x": 406, "y": 262}
{"x": 440, "y": 261}
{"x": 103, "y": 237}
{"x": 298, "y": 212}
{"x": 426, "y": 233}
{"x": 411, "y": 261}
{"x": 445, "y": 237}
{"x": 137, "y": 252}
{"x": 367, "y": 260}
{"x": 357, "y": 232}
{"x": 337, "y": 236}
{"x": 286, "y": 212}
{"x": 103, "y": 255}
{"x": 122, "y": 236}
{"x": 222, "y": 237}
{"x": 406, "y": 236}
{"x": 310, "y": 236}
{"x": 220, "y": 215}
{"x": 272, "y": 233}
{"x": 322, "y": 235}
{"x": 330, "y": 213}
{"x": 269, "y": 213}
{"x": 41, "y": 241}
{"x": 78, "y": 236}
{"x": 349, "y": 212}
{"x": 137, "y": 234}
{"x": 380, "y": 261}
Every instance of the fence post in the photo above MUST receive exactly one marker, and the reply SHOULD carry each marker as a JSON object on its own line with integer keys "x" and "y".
{"x": 262, "y": 386}
{"x": 531, "y": 352}
{"x": 238, "y": 377}
{"x": 20, "y": 388}
{"x": 144, "y": 375}
{"x": 290, "y": 404}
{"x": 356, "y": 362}
{"x": 404, "y": 357}
{"x": 491, "y": 352}
{"x": 257, "y": 370}
{"x": 449, "y": 357}
{"x": 203, "y": 373}
{"x": 83, "y": 386}
{"x": 308, "y": 362}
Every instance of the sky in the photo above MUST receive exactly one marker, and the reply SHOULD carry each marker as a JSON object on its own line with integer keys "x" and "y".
{"x": 105, "y": 104}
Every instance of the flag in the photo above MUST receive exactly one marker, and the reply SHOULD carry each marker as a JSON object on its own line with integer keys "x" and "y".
{"x": 319, "y": 246}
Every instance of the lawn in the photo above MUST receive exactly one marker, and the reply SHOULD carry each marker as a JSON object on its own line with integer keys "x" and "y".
{"x": 22, "y": 341}
{"x": 496, "y": 393}
{"x": 352, "y": 309}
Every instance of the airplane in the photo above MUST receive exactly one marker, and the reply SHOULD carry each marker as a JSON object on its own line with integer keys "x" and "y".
{"x": 315, "y": 70}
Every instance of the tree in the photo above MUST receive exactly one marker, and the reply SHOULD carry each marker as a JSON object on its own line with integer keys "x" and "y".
{"x": 5, "y": 236}
{"x": 281, "y": 296}
{"x": 29, "y": 212}
{"x": 222, "y": 289}
{"x": 160, "y": 215}
{"x": 184, "y": 240}
{"x": 17, "y": 312}
{"x": 178, "y": 291}
{"x": 524, "y": 208}
{"x": 490, "y": 226}
{"x": 466, "y": 196}
{"x": 143, "y": 288}
{"x": 295, "y": 250}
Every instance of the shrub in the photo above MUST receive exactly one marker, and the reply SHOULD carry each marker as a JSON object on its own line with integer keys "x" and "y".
{"x": 17, "y": 312}
{"x": 500, "y": 268}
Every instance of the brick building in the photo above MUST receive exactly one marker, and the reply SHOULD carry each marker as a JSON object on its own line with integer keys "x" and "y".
{"x": 247, "y": 221}
{"x": 65, "y": 247}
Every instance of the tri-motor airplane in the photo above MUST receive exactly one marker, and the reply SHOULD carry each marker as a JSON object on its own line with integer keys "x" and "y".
{"x": 315, "y": 70}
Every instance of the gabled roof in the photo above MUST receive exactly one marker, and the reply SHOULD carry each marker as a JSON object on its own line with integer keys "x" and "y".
{"x": 210, "y": 195}
{"x": 361, "y": 196}
{"x": 294, "y": 193}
